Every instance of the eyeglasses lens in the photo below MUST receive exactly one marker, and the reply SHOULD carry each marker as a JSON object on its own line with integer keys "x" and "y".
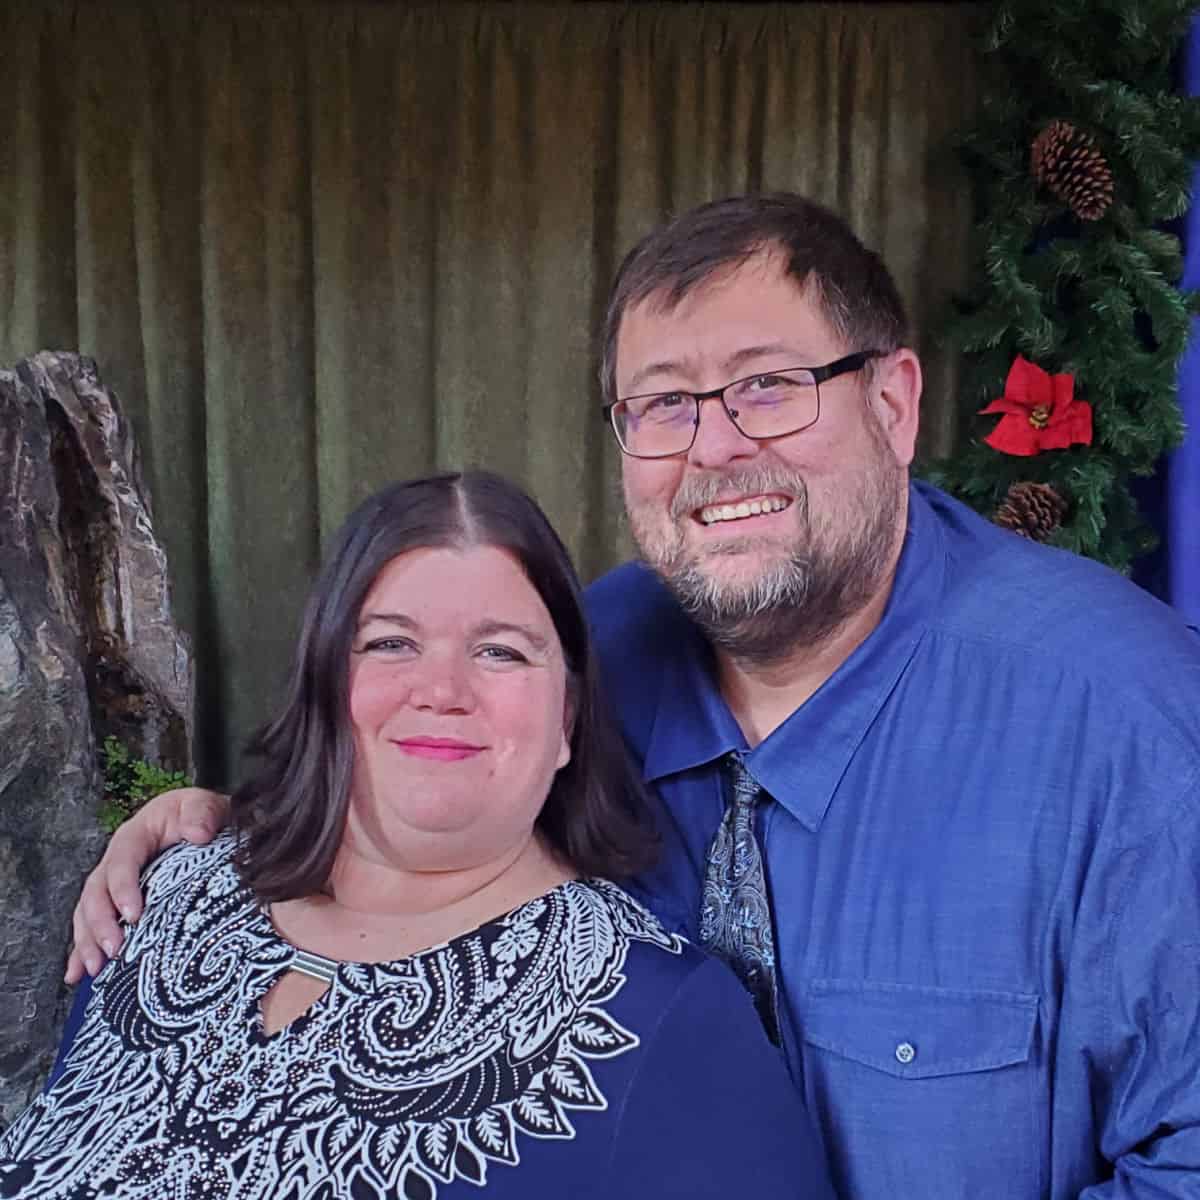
{"x": 763, "y": 406}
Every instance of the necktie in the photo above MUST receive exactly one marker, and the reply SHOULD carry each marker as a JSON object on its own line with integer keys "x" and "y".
{"x": 735, "y": 914}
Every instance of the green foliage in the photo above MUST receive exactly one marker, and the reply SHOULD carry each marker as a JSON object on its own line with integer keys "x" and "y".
{"x": 1096, "y": 299}
{"x": 130, "y": 782}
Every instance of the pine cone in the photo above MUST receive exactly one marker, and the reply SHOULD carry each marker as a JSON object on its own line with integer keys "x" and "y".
{"x": 1068, "y": 163}
{"x": 1034, "y": 510}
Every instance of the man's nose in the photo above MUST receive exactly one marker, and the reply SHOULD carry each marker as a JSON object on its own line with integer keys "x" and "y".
{"x": 718, "y": 440}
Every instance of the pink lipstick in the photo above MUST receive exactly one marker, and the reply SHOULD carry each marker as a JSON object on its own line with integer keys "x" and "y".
{"x": 439, "y": 749}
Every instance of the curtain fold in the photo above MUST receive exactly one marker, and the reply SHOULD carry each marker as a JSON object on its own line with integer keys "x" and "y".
{"x": 316, "y": 247}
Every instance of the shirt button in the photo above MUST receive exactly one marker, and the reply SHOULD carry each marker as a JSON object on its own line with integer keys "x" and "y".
{"x": 905, "y": 1053}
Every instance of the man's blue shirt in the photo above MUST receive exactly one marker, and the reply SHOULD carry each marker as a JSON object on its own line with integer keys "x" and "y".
{"x": 983, "y": 853}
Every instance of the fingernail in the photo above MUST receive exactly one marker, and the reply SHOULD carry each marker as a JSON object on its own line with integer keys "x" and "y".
{"x": 127, "y": 913}
{"x": 109, "y": 949}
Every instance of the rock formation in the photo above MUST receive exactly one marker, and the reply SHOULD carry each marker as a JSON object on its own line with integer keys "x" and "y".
{"x": 87, "y": 648}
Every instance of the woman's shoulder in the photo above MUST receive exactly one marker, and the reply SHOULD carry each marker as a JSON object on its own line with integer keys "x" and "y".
{"x": 186, "y": 876}
{"x": 679, "y": 997}
{"x": 653, "y": 956}
{"x": 631, "y": 921}
{"x": 590, "y": 965}
{"x": 670, "y": 971}
{"x": 184, "y": 861}
{"x": 705, "y": 1079}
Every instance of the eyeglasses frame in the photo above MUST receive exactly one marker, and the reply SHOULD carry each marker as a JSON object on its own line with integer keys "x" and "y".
{"x": 840, "y": 366}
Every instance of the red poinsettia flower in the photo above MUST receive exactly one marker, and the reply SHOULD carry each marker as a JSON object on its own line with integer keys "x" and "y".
{"x": 1040, "y": 413}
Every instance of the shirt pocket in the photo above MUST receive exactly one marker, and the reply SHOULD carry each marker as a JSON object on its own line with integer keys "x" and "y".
{"x": 924, "y": 1092}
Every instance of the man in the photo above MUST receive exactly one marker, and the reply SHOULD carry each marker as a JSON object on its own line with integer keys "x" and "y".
{"x": 964, "y": 768}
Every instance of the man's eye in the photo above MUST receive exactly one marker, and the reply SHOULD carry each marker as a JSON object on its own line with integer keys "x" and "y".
{"x": 667, "y": 406}
{"x": 764, "y": 383}
{"x": 768, "y": 389}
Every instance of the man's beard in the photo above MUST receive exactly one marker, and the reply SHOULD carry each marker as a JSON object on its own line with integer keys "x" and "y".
{"x": 819, "y": 581}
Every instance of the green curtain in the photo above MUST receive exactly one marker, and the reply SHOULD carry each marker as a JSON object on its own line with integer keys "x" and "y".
{"x": 315, "y": 246}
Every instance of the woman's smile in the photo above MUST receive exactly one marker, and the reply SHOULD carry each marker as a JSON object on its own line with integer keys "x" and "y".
{"x": 438, "y": 748}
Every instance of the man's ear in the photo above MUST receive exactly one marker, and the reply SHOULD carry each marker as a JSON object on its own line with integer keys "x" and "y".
{"x": 895, "y": 400}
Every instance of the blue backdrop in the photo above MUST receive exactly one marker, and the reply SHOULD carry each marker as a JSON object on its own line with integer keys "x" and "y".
{"x": 1182, "y": 490}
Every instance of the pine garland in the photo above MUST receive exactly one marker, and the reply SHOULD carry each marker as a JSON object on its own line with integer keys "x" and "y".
{"x": 1075, "y": 283}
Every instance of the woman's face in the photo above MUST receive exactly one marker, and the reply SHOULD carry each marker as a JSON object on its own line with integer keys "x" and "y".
{"x": 458, "y": 700}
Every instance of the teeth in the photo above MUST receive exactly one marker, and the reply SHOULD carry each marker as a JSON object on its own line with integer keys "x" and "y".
{"x": 744, "y": 508}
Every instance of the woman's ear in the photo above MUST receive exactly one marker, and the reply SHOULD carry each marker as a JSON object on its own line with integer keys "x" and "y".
{"x": 568, "y": 728}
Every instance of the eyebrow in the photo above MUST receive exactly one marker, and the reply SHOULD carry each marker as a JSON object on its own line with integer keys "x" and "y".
{"x": 484, "y": 629}
{"x": 733, "y": 363}
{"x": 386, "y": 618}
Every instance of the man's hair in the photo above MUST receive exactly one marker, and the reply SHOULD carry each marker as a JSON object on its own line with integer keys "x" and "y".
{"x": 853, "y": 288}
{"x": 290, "y": 818}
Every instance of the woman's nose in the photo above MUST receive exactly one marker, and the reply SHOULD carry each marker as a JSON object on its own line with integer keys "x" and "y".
{"x": 442, "y": 687}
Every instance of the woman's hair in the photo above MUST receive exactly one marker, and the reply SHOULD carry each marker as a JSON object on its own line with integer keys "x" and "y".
{"x": 289, "y": 819}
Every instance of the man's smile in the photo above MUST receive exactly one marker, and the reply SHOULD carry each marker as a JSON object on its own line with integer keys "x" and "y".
{"x": 739, "y": 510}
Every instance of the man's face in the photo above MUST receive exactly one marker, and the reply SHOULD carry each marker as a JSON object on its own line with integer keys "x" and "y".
{"x": 830, "y": 500}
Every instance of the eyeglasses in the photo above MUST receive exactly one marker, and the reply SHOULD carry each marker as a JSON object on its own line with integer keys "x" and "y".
{"x": 770, "y": 404}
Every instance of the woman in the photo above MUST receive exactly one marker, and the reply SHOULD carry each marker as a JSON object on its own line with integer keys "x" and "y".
{"x": 401, "y": 973}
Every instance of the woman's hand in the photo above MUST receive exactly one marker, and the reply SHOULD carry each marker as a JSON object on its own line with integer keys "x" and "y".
{"x": 185, "y": 814}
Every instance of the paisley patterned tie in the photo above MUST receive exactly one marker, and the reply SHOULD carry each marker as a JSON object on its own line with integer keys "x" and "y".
{"x": 735, "y": 915}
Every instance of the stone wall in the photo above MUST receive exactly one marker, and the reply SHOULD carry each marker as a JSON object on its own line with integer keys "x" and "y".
{"x": 87, "y": 648}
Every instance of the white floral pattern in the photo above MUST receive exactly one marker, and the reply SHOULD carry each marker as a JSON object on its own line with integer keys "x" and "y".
{"x": 401, "y": 1076}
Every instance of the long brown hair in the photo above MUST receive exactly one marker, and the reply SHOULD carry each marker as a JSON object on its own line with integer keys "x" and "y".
{"x": 289, "y": 818}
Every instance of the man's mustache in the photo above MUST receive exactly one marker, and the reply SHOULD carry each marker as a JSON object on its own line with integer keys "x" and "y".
{"x": 699, "y": 490}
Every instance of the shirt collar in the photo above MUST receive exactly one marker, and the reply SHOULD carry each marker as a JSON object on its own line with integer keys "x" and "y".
{"x": 803, "y": 761}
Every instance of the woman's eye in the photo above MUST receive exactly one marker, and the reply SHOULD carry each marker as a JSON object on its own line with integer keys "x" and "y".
{"x": 388, "y": 645}
{"x": 501, "y": 654}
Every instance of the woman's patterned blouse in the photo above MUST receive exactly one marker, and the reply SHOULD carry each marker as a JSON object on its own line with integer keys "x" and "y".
{"x": 403, "y": 1078}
